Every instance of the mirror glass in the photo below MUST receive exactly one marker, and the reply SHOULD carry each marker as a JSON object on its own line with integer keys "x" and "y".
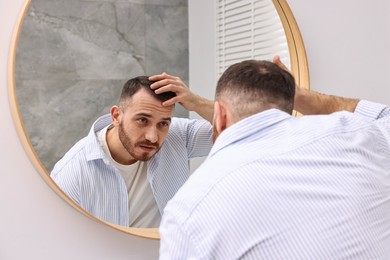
{"x": 73, "y": 57}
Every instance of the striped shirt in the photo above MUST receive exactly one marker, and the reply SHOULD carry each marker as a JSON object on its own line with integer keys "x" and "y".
{"x": 90, "y": 179}
{"x": 282, "y": 187}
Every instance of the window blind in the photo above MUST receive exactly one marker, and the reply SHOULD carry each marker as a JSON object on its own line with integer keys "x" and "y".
{"x": 248, "y": 29}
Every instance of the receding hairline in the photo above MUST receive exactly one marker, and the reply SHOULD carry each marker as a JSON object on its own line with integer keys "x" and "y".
{"x": 134, "y": 85}
{"x": 125, "y": 101}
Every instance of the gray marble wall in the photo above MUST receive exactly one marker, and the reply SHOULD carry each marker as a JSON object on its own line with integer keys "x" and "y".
{"x": 74, "y": 56}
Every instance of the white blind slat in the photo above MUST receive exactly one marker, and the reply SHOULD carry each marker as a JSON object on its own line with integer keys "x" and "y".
{"x": 248, "y": 29}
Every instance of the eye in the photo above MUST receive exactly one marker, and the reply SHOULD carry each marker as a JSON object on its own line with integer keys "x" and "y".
{"x": 164, "y": 123}
{"x": 142, "y": 120}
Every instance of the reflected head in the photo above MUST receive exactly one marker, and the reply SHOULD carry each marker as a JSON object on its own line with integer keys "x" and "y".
{"x": 133, "y": 85}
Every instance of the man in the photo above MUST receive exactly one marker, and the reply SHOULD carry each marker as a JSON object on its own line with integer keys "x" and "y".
{"x": 135, "y": 158}
{"x": 281, "y": 187}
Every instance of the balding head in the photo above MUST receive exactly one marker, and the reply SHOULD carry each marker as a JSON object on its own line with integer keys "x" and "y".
{"x": 252, "y": 86}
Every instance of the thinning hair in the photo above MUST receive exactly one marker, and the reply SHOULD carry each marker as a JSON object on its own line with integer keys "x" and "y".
{"x": 132, "y": 86}
{"x": 253, "y": 86}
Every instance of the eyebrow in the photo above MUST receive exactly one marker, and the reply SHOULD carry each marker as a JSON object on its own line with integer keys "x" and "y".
{"x": 149, "y": 116}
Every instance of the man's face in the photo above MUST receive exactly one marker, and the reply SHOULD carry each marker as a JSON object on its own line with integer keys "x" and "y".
{"x": 143, "y": 125}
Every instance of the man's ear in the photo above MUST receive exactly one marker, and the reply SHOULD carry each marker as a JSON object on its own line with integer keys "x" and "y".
{"x": 115, "y": 114}
{"x": 220, "y": 119}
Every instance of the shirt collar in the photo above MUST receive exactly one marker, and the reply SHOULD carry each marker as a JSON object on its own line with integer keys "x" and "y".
{"x": 255, "y": 124}
{"x": 93, "y": 149}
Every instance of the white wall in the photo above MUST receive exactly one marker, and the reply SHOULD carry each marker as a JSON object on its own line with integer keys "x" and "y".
{"x": 347, "y": 46}
{"x": 202, "y": 76}
{"x": 35, "y": 223}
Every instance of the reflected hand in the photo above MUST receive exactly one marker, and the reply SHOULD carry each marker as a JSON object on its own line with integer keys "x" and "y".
{"x": 189, "y": 100}
{"x": 165, "y": 82}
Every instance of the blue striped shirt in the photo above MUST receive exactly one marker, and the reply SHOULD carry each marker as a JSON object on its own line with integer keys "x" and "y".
{"x": 282, "y": 187}
{"x": 88, "y": 177}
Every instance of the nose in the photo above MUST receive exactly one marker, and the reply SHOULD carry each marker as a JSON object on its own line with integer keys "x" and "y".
{"x": 152, "y": 134}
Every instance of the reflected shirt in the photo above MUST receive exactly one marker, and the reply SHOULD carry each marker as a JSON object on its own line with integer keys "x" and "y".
{"x": 88, "y": 177}
{"x": 281, "y": 187}
{"x": 143, "y": 210}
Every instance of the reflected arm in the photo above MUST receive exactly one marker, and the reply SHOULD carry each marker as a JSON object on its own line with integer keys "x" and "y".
{"x": 203, "y": 106}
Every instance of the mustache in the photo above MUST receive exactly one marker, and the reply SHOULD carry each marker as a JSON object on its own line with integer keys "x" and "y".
{"x": 148, "y": 143}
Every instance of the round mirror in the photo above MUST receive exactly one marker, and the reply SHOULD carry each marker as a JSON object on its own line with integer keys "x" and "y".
{"x": 70, "y": 60}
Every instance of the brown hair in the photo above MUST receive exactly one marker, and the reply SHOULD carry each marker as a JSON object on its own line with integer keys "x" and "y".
{"x": 252, "y": 86}
{"x": 133, "y": 85}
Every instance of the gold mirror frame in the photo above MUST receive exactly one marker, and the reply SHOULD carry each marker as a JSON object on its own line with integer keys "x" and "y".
{"x": 299, "y": 67}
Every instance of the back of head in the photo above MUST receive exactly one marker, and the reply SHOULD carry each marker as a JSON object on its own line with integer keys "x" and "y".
{"x": 252, "y": 86}
{"x": 133, "y": 85}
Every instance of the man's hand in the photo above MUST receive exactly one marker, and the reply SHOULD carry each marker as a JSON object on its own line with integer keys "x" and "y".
{"x": 280, "y": 64}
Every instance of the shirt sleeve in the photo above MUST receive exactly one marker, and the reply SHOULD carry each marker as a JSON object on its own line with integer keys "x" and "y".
{"x": 199, "y": 138}
{"x": 68, "y": 181}
{"x": 378, "y": 113}
{"x": 371, "y": 110}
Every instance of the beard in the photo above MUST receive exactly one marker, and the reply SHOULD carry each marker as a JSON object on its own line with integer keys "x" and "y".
{"x": 131, "y": 147}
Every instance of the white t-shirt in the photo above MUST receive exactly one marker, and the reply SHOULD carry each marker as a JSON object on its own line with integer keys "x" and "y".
{"x": 143, "y": 210}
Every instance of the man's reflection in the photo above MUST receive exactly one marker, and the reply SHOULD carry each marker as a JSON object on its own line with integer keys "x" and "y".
{"x": 135, "y": 159}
